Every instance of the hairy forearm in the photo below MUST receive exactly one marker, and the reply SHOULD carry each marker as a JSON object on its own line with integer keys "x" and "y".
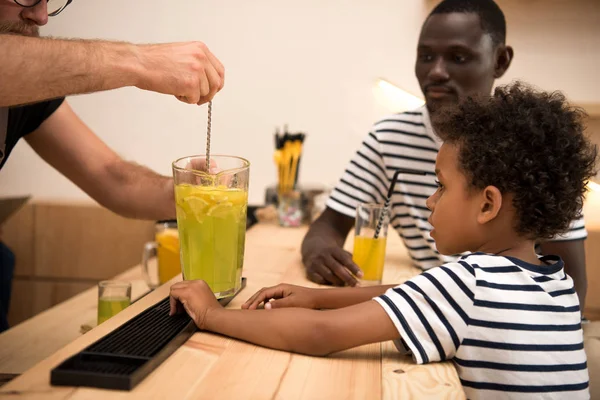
{"x": 135, "y": 191}
{"x": 44, "y": 68}
{"x": 344, "y": 297}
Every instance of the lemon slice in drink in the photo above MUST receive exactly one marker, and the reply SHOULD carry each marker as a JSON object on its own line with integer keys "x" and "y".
{"x": 220, "y": 210}
{"x": 198, "y": 206}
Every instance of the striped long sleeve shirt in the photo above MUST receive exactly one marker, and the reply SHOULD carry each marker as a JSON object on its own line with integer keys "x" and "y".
{"x": 404, "y": 140}
{"x": 512, "y": 329}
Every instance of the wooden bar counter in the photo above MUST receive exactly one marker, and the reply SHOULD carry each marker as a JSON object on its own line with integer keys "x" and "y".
{"x": 210, "y": 366}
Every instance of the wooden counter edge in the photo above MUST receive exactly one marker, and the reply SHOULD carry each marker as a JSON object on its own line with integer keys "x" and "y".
{"x": 43, "y": 367}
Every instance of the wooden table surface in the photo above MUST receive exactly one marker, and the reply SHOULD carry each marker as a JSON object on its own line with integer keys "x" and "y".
{"x": 210, "y": 366}
{"x": 37, "y": 338}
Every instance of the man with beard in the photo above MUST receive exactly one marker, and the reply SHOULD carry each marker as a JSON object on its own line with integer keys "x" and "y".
{"x": 37, "y": 73}
{"x": 460, "y": 53}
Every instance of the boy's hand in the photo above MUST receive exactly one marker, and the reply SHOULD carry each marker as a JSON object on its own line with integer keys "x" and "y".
{"x": 285, "y": 296}
{"x": 196, "y": 298}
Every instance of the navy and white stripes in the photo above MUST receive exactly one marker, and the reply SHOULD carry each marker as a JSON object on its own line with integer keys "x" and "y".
{"x": 403, "y": 141}
{"x": 506, "y": 330}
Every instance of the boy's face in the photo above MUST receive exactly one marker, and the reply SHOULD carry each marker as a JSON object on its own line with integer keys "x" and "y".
{"x": 454, "y": 206}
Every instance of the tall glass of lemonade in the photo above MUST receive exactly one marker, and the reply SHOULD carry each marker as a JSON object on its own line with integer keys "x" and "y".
{"x": 370, "y": 242}
{"x": 211, "y": 219}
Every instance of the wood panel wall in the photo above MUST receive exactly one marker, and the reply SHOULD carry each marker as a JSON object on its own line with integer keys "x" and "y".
{"x": 61, "y": 249}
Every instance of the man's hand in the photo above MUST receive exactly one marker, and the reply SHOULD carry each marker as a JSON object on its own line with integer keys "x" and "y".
{"x": 283, "y": 295}
{"x": 333, "y": 265}
{"x": 59, "y": 67}
{"x": 189, "y": 71}
{"x": 322, "y": 250}
{"x": 196, "y": 298}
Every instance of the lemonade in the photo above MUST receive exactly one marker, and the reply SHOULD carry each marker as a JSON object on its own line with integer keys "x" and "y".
{"x": 167, "y": 253}
{"x": 369, "y": 255}
{"x": 212, "y": 230}
{"x": 111, "y": 306}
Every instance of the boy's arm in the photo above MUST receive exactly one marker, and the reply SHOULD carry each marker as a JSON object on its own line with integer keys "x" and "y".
{"x": 285, "y": 295}
{"x": 305, "y": 331}
{"x": 345, "y": 297}
{"x": 297, "y": 330}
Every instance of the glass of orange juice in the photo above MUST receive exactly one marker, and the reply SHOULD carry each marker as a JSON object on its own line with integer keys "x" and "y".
{"x": 369, "y": 251}
{"x": 165, "y": 248}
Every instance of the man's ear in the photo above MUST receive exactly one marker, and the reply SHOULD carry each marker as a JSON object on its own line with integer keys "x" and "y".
{"x": 490, "y": 205}
{"x": 504, "y": 56}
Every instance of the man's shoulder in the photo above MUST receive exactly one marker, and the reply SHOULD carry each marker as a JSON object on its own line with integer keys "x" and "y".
{"x": 415, "y": 118}
{"x": 408, "y": 126}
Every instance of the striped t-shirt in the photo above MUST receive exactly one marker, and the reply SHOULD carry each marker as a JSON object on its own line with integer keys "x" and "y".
{"x": 404, "y": 140}
{"x": 512, "y": 329}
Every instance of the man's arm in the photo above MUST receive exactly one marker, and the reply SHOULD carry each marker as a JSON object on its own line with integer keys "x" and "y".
{"x": 364, "y": 181}
{"x": 322, "y": 250}
{"x": 573, "y": 254}
{"x": 43, "y": 68}
{"x": 67, "y": 144}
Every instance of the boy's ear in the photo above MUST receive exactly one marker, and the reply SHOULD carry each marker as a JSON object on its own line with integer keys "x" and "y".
{"x": 491, "y": 203}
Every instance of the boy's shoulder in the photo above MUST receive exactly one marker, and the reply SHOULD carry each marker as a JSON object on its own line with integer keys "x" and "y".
{"x": 550, "y": 265}
{"x": 483, "y": 261}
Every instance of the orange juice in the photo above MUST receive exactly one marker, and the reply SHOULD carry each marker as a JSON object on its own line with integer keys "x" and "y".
{"x": 369, "y": 255}
{"x": 167, "y": 253}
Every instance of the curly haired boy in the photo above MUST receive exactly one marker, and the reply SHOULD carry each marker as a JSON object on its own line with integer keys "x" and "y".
{"x": 512, "y": 170}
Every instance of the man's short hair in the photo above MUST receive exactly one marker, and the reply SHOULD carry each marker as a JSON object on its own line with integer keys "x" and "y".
{"x": 490, "y": 15}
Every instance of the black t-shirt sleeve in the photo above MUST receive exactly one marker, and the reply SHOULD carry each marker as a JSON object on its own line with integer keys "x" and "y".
{"x": 36, "y": 114}
{"x": 23, "y": 120}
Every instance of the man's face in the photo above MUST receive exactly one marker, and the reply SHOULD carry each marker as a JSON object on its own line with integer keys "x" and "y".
{"x": 24, "y": 21}
{"x": 455, "y": 59}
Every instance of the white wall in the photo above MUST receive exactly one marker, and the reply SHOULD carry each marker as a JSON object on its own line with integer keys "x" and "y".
{"x": 557, "y": 45}
{"x": 311, "y": 64}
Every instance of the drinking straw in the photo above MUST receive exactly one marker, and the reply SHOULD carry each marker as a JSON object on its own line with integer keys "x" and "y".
{"x": 300, "y": 137}
{"x": 386, "y": 205}
{"x": 288, "y": 151}
{"x": 278, "y": 158}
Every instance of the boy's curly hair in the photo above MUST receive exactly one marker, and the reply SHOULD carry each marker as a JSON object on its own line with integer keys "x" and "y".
{"x": 530, "y": 144}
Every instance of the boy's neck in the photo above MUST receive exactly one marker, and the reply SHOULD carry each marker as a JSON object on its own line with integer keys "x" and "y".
{"x": 520, "y": 248}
